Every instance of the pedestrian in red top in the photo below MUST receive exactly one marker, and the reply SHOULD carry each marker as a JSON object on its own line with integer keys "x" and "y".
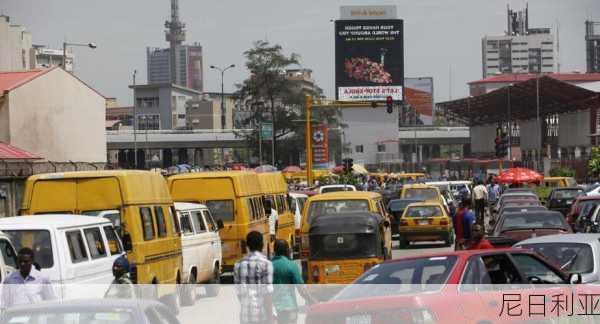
{"x": 462, "y": 224}
{"x": 478, "y": 242}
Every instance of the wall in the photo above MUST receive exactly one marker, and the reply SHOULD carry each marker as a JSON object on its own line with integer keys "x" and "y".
{"x": 150, "y": 93}
{"x": 59, "y": 118}
{"x": 4, "y": 121}
{"x": 574, "y": 129}
{"x": 529, "y": 134}
{"x": 367, "y": 126}
{"x": 482, "y": 138}
{"x": 15, "y": 46}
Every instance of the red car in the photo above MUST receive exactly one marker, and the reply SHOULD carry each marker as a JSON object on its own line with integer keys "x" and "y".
{"x": 578, "y": 205}
{"x": 454, "y": 287}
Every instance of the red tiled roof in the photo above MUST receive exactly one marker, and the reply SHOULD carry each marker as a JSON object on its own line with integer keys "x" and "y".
{"x": 9, "y": 152}
{"x": 421, "y": 100}
{"x": 12, "y": 80}
{"x": 519, "y": 77}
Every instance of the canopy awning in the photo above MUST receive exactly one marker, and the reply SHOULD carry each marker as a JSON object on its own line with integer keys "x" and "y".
{"x": 521, "y": 100}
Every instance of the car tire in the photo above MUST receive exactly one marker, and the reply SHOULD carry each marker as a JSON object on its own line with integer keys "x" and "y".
{"x": 213, "y": 287}
{"x": 403, "y": 243}
{"x": 172, "y": 301}
{"x": 188, "y": 292}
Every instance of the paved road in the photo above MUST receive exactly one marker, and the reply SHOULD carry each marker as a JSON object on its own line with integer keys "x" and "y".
{"x": 224, "y": 308}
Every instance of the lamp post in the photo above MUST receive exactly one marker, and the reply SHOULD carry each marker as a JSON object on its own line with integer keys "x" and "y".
{"x": 65, "y": 44}
{"x": 222, "y": 92}
{"x": 134, "y": 124}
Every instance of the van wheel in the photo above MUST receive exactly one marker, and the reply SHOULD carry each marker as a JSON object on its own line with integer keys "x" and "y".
{"x": 188, "y": 292}
{"x": 172, "y": 301}
{"x": 214, "y": 285}
{"x": 403, "y": 243}
{"x": 148, "y": 291}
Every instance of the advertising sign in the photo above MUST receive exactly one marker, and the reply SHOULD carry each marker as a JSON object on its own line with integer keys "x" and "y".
{"x": 320, "y": 145}
{"x": 266, "y": 131}
{"x": 369, "y": 60}
{"x": 368, "y": 12}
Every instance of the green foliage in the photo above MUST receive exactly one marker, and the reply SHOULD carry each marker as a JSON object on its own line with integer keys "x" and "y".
{"x": 594, "y": 163}
{"x": 562, "y": 172}
{"x": 542, "y": 191}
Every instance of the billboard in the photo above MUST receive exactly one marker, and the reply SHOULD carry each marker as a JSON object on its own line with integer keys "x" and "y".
{"x": 369, "y": 60}
{"x": 418, "y": 93}
{"x": 320, "y": 146}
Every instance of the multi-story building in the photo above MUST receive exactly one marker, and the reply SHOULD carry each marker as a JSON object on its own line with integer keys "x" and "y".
{"x": 520, "y": 50}
{"x": 15, "y": 46}
{"x": 592, "y": 46}
{"x": 43, "y": 57}
{"x": 205, "y": 113}
{"x": 188, "y": 66}
{"x": 161, "y": 106}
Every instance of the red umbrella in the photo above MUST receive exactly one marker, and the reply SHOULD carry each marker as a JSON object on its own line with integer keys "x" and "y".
{"x": 519, "y": 175}
{"x": 292, "y": 168}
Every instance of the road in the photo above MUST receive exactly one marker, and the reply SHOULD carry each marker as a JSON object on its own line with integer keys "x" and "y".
{"x": 224, "y": 309}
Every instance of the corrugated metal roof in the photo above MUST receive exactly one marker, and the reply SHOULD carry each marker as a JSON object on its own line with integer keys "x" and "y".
{"x": 9, "y": 152}
{"x": 11, "y": 80}
{"x": 519, "y": 77}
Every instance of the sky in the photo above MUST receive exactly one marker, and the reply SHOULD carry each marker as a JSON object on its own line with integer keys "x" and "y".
{"x": 442, "y": 38}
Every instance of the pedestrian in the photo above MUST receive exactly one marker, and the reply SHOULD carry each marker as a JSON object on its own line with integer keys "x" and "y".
{"x": 480, "y": 195}
{"x": 478, "y": 241}
{"x": 287, "y": 278}
{"x": 122, "y": 286}
{"x": 273, "y": 217}
{"x": 27, "y": 285}
{"x": 253, "y": 278}
{"x": 463, "y": 221}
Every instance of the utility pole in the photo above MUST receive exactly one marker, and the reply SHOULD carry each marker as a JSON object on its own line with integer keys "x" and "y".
{"x": 135, "y": 164}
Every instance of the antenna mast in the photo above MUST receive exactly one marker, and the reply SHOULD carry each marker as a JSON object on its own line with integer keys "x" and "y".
{"x": 175, "y": 35}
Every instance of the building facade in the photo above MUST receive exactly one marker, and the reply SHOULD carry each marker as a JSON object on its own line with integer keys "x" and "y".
{"x": 592, "y": 46}
{"x": 43, "y": 57}
{"x": 188, "y": 66}
{"x": 15, "y": 46}
{"x": 52, "y": 114}
{"x": 520, "y": 50}
{"x": 161, "y": 106}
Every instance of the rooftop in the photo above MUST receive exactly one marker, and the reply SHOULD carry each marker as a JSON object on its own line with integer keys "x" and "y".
{"x": 9, "y": 152}
{"x": 519, "y": 77}
{"x": 12, "y": 80}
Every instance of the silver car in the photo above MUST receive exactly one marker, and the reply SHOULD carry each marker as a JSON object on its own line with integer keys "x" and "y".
{"x": 573, "y": 253}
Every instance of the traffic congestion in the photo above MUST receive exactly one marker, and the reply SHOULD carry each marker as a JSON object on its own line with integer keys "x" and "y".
{"x": 168, "y": 236}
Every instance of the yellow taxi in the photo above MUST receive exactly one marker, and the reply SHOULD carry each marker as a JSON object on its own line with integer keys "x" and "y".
{"x": 423, "y": 192}
{"x": 425, "y": 221}
{"x": 559, "y": 182}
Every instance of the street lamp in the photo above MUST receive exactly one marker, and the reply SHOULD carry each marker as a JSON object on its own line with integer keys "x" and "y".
{"x": 65, "y": 44}
{"x": 222, "y": 92}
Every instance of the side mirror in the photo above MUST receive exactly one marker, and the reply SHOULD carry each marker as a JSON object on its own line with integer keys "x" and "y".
{"x": 575, "y": 278}
{"x": 127, "y": 244}
{"x": 220, "y": 224}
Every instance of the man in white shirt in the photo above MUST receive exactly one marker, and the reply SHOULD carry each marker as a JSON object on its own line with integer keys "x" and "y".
{"x": 480, "y": 195}
{"x": 273, "y": 217}
{"x": 27, "y": 285}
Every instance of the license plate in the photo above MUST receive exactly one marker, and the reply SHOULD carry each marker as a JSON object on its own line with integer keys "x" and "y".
{"x": 358, "y": 319}
{"x": 332, "y": 269}
{"x": 423, "y": 222}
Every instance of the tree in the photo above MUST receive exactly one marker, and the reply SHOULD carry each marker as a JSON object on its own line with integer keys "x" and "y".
{"x": 268, "y": 92}
{"x": 594, "y": 163}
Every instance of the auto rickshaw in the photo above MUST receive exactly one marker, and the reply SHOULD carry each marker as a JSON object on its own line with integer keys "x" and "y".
{"x": 344, "y": 246}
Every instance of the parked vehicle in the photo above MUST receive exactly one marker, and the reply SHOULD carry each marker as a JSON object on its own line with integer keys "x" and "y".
{"x": 396, "y": 208}
{"x": 561, "y": 199}
{"x": 235, "y": 198}
{"x": 70, "y": 249}
{"x": 275, "y": 189}
{"x": 8, "y": 256}
{"x": 344, "y": 246}
{"x": 451, "y": 287}
{"x": 138, "y": 311}
{"x": 519, "y": 226}
{"x": 518, "y": 208}
{"x": 334, "y": 188}
{"x": 148, "y": 227}
{"x": 201, "y": 249}
{"x": 560, "y": 182}
{"x": 422, "y": 192}
{"x": 572, "y": 253}
{"x": 581, "y": 206}
{"x": 297, "y": 202}
{"x": 514, "y": 196}
{"x": 518, "y": 189}
{"x": 425, "y": 221}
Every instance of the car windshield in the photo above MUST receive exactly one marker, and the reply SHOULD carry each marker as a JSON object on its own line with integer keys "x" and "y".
{"x": 344, "y": 246}
{"x": 423, "y": 211}
{"x": 532, "y": 221}
{"x": 397, "y": 205}
{"x": 322, "y": 207}
{"x": 421, "y": 193}
{"x": 567, "y": 194}
{"x": 112, "y": 316}
{"x": 401, "y": 277}
{"x": 570, "y": 257}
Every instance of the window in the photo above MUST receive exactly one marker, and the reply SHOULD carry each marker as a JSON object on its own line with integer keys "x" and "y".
{"x": 212, "y": 226}
{"x": 186, "y": 224}
{"x": 76, "y": 246}
{"x": 535, "y": 269}
{"x": 147, "y": 223}
{"x": 280, "y": 204}
{"x": 113, "y": 240}
{"x": 358, "y": 149}
{"x": 95, "y": 242}
{"x": 221, "y": 209}
{"x": 38, "y": 240}
{"x": 175, "y": 220}
{"x": 199, "y": 225}
{"x": 380, "y": 148}
{"x": 181, "y": 116}
{"x": 8, "y": 253}
{"x": 160, "y": 221}
{"x": 570, "y": 257}
{"x": 500, "y": 270}
{"x": 251, "y": 208}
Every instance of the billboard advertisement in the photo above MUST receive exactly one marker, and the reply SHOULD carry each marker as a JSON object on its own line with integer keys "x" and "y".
{"x": 369, "y": 60}
{"x": 418, "y": 94}
{"x": 320, "y": 146}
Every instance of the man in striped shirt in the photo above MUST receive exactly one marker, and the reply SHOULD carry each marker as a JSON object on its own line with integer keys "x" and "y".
{"x": 253, "y": 277}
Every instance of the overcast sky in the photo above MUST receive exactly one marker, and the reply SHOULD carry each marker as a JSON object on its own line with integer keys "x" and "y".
{"x": 438, "y": 34}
